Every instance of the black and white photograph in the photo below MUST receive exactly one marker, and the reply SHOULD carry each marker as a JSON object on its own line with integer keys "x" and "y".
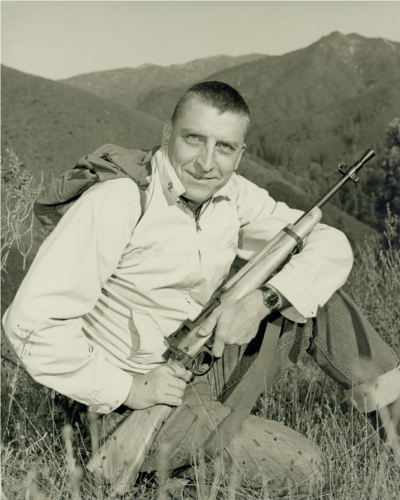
{"x": 200, "y": 250}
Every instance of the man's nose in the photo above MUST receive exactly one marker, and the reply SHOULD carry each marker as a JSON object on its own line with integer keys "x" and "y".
{"x": 206, "y": 158}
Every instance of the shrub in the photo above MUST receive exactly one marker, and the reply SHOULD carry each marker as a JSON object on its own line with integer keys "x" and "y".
{"x": 18, "y": 193}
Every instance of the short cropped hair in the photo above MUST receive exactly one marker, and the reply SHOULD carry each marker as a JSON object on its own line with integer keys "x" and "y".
{"x": 219, "y": 95}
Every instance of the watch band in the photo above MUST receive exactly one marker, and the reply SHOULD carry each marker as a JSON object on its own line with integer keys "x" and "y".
{"x": 271, "y": 297}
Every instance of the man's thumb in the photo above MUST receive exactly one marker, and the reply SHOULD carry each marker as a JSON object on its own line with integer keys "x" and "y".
{"x": 218, "y": 347}
{"x": 207, "y": 327}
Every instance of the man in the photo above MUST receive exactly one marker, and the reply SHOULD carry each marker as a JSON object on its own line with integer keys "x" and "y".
{"x": 105, "y": 290}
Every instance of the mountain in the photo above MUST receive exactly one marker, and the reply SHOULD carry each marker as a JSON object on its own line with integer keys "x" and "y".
{"x": 126, "y": 86}
{"x": 50, "y": 125}
{"x": 315, "y": 107}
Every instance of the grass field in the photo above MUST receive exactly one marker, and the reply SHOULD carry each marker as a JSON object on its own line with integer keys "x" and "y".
{"x": 42, "y": 458}
{"x": 45, "y": 443}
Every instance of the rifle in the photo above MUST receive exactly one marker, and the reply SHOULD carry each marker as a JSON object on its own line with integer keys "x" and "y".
{"x": 121, "y": 457}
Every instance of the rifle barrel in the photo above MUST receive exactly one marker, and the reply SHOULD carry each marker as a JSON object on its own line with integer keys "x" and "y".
{"x": 350, "y": 174}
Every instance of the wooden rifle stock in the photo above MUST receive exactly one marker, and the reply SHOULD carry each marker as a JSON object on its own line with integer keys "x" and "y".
{"x": 121, "y": 457}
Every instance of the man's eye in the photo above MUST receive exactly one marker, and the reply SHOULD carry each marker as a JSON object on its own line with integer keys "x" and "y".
{"x": 226, "y": 147}
{"x": 192, "y": 138}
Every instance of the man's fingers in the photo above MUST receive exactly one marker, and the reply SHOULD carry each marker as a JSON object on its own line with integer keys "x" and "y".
{"x": 172, "y": 389}
{"x": 188, "y": 376}
{"x": 177, "y": 383}
{"x": 171, "y": 401}
{"x": 173, "y": 393}
{"x": 208, "y": 326}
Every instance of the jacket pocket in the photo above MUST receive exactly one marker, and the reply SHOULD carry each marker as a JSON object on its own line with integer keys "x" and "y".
{"x": 148, "y": 343}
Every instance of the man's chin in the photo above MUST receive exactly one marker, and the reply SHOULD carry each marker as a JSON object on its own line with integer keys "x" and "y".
{"x": 194, "y": 201}
{"x": 195, "y": 196}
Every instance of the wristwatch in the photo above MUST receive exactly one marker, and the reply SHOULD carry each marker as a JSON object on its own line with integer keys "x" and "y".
{"x": 271, "y": 298}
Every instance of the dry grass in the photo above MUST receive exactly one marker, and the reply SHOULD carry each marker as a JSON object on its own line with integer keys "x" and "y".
{"x": 46, "y": 442}
{"x": 375, "y": 282}
{"x": 43, "y": 456}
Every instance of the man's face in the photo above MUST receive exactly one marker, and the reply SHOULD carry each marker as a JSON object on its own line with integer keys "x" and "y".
{"x": 205, "y": 148}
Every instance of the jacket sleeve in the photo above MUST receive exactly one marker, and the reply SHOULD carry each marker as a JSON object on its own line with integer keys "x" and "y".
{"x": 312, "y": 276}
{"x": 64, "y": 283}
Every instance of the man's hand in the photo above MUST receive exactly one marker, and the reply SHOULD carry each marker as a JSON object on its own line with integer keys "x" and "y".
{"x": 236, "y": 321}
{"x": 165, "y": 384}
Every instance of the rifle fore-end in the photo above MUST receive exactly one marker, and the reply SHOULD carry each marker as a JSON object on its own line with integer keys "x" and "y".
{"x": 256, "y": 272}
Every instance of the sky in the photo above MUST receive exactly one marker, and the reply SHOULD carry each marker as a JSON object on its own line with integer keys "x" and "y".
{"x": 58, "y": 40}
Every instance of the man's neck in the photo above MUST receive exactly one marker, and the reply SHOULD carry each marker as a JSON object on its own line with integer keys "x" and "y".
{"x": 193, "y": 205}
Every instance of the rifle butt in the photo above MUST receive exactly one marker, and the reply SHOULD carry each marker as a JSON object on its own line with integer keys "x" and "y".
{"x": 121, "y": 456}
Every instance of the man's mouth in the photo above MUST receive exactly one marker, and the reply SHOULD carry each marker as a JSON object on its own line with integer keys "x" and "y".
{"x": 199, "y": 177}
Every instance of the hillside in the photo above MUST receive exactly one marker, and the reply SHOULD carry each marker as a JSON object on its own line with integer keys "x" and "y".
{"x": 50, "y": 125}
{"x": 126, "y": 86}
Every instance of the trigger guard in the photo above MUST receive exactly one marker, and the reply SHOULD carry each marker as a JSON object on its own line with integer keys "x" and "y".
{"x": 194, "y": 368}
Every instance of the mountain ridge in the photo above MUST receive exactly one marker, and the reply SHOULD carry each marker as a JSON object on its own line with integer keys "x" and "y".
{"x": 127, "y": 85}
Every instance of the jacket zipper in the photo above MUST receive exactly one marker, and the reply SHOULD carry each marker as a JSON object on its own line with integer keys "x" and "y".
{"x": 197, "y": 213}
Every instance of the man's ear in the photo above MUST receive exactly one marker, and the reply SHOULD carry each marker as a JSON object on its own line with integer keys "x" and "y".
{"x": 240, "y": 156}
{"x": 166, "y": 133}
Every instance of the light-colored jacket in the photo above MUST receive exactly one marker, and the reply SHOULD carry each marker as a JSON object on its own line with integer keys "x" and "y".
{"x": 102, "y": 294}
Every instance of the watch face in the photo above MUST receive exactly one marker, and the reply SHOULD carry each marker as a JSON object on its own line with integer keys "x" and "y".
{"x": 271, "y": 298}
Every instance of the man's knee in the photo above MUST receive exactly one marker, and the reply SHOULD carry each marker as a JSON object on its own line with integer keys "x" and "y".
{"x": 377, "y": 391}
{"x": 271, "y": 455}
